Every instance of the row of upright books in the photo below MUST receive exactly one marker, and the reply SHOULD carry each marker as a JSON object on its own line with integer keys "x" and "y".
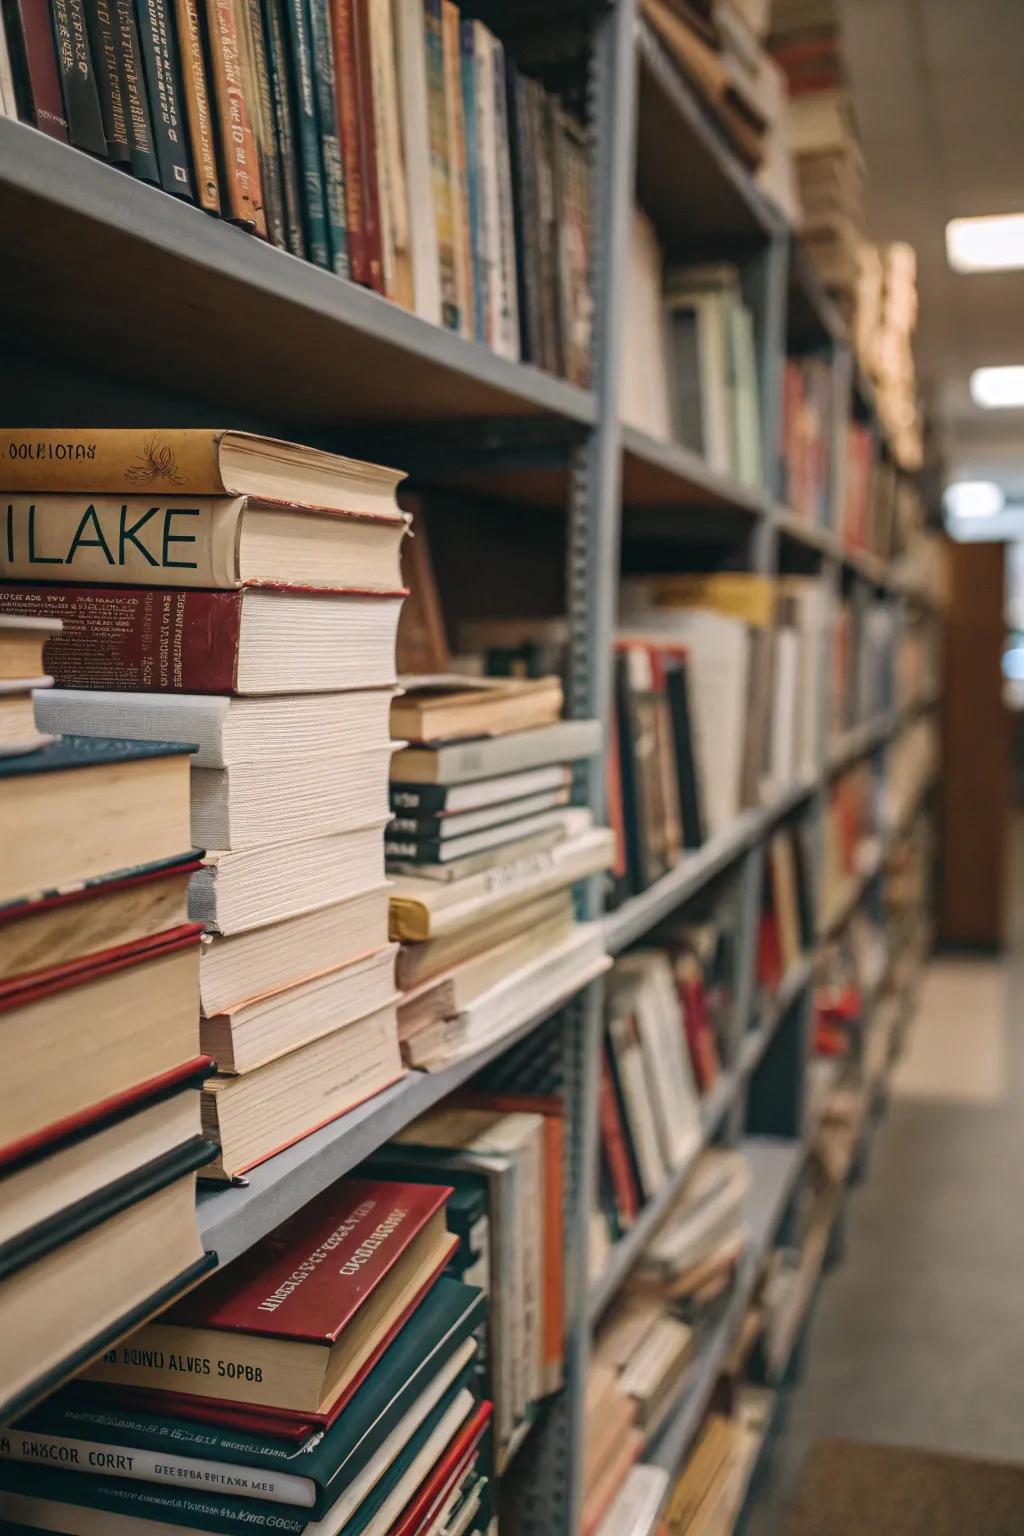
{"x": 390, "y": 141}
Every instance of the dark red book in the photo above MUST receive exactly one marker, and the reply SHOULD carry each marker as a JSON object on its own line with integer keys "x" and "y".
{"x": 343, "y": 37}
{"x": 613, "y": 1141}
{"x": 445, "y": 1477}
{"x": 34, "y": 62}
{"x": 367, "y": 143}
{"x": 295, "y": 1324}
{"x": 700, "y": 1037}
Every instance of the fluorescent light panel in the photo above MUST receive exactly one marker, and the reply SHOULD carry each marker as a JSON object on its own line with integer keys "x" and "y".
{"x": 998, "y": 388}
{"x": 994, "y": 243}
{"x": 973, "y": 498}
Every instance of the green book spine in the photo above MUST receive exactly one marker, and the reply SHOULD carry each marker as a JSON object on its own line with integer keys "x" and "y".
{"x": 308, "y": 131}
{"x": 330, "y": 140}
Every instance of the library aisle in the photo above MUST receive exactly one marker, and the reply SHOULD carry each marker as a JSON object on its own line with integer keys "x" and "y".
{"x": 916, "y": 1339}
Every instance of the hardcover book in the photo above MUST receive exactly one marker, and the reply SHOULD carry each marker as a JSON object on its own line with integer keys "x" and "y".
{"x": 109, "y": 82}
{"x": 198, "y": 111}
{"x": 34, "y": 61}
{"x": 243, "y": 192}
{"x": 142, "y": 150}
{"x": 162, "y": 67}
{"x": 78, "y": 79}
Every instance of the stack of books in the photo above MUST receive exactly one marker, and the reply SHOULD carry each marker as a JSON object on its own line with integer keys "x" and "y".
{"x": 99, "y": 998}
{"x": 484, "y": 850}
{"x": 21, "y": 648}
{"x": 394, "y": 144}
{"x": 265, "y": 636}
{"x": 329, "y": 1380}
{"x": 503, "y": 1153}
{"x": 709, "y": 1494}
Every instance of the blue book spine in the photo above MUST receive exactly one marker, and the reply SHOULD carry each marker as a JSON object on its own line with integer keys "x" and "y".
{"x": 308, "y": 133}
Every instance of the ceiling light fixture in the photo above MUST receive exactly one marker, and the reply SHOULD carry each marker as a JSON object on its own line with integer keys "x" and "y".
{"x": 973, "y": 498}
{"x": 994, "y": 243}
{"x": 998, "y": 388}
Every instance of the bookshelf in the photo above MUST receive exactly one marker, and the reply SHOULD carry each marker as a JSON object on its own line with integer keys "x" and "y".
{"x": 173, "y": 317}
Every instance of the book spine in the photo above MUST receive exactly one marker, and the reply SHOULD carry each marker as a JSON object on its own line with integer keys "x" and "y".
{"x": 78, "y": 79}
{"x": 34, "y": 60}
{"x": 524, "y": 210}
{"x": 129, "y": 62}
{"x": 284, "y": 119}
{"x": 428, "y": 799}
{"x": 509, "y": 335}
{"x": 109, "y": 82}
{"x": 242, "y": 191}
{"x": 257, "y": 82}
{"x": 613, "y": 1140}
{"x": 462, "y": 237}
{"x": 392, "y": 209}
{"x": 368, "y": 149}
{"x": 160, "y": 1466}
{"x": 160, "y": 62}
{"x": 322, "y": 55}
{"x": 439, "y": 159}
{"x": 477, "y": 255}
{"x": 317, "y": 237}
{"x": 196, "y": 97}
{"x": 343, "y": 35}
{"x": 140, "y": 639}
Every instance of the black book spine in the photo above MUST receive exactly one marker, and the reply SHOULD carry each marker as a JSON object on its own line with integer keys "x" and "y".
{"x": 686, "y": 762}
{"x": 281, "y": 97}
{"x": 162, "y": 67}
{"x": 109, "y": 81}
{"x": 633, "y": 809}
{"x": 424, "y": 799}
{"x": 129, "y": 63}
{"x": 77, "y": 77}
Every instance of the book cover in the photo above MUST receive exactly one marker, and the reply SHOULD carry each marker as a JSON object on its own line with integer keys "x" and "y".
{"x": 77, "y": 76}
{"x": 440, "y": 161}
{"x": 474, "y": 183}
{"x": 278, "y": 65}
{"x": 411, "y": 56}
{"x": 325, "y": 90}
{"x": 109, "y": 83}
{"x": 613, "y": 1141}
{"x": 34, "y": 61}
{"x": 368, "y": 147}
{"x": 161, "y": 65}
{"x": 243, "y": 194}
{"x": 256, "y": 77}
{"x": 508, "y": 343}
{"x": 458, "y": 166}
{"x": 300, "y": 48}
{"x": 196, "y": 98}
{"x": 142, "y": 149}
{"x": 524, "y": 211}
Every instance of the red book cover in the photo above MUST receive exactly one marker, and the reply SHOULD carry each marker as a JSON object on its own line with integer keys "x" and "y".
{"x": 281, "y": 1423}
{"x": 308, "y": 1278}
{"x": 447, "y": 1473}
{"x": 119, "y": 1106}
{"x": 367, "y": 143}
{"x": 699, "y": 1035}
{"x": 613, "y": 1141}
{"x": 34, "y": 55}
{"x": 343, "y": 36}
{"x": 769, "y": 954}
{"x": 616, "y": 816}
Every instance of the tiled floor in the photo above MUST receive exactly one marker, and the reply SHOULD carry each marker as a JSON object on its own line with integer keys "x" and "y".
{"x": 918, "y": 1336}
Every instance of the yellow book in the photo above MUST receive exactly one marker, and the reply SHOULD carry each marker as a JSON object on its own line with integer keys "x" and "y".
{"x": 737, "y": 594}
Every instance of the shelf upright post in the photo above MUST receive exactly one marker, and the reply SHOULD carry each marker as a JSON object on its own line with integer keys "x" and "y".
{"x": 553, "y": 1492}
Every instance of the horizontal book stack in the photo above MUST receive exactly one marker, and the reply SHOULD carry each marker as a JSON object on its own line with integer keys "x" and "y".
{"x": 645, "y": 1344}
{"x": 327, "y": 1381}
{"x": 265, "y": 636}
{"x": 390, "y": 141}
{"x": 709, "y": 1493}
{"x": 689, "y": 358}
{"x": 99, "y": 970}
{"x": 484, "y": 850}
{"x": 503, "y": 1153}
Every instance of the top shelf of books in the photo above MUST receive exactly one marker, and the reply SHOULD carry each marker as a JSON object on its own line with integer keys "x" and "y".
{"x": 233, "y": 321}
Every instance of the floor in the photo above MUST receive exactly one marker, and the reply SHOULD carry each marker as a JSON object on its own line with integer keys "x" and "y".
{"x": 918, "y": 1335}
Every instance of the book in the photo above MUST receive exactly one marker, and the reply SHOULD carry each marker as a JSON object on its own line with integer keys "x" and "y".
{"x": 282, "y": 102}
{"x": 451, "y": 800}
{"x": 242, "y": 189}
{"x": 447, "y": 707}
{"x": 347, "y": 110}
{"x": 255, "y": 63}
{"x": 270, "y": 1107}
{"x": 440, "y": 163}
{"x": 321, "y": 58}
{"x": 419, "y": 963}
{"x": 475, "y": 234}
{"x": 102, "y": 1024}
{"x": 34, "y": 61}
{"x": 235, "y": 892}
{"x": 424, "y": 909}
{"x": 507, "y": 342}
{"x": 251, "y": 804}
{"x": 456, "y": 871}
{"x": 432, "y": 849}
{"x": 411, "y": 55}
{"x": 366, "y": 88}
{"x": 109, "y": 83}
{"x": 77, "y": 77}
{"x": 458, "y": 168}
{"x": 87, "y": 806}
{"x": 251, "y": 1033}
{"x": 161, "y": 64}
{"x": 76, "y": 923}
{"x": 256, "y": 640}
{"x": 393, "y": 202}
{"x": 196, "y": 99}
{"x": 429, "y": 826}
{"x": 258, "y": 1462}
{"x": 210, "y": 542}
{"x": 562, "y": 741}
{"x": 294, "y": 1323}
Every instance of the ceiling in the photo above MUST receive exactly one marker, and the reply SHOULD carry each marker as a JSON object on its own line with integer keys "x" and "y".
{"x": 939, "y": 101}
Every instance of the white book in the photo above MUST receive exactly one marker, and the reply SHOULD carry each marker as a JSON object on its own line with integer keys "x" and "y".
{"x": 251, "y": 887}
{"x": 785, "y": 721}
{"x": 508, "y": 335}
{"x": 642, "y": 984}
{"x": 461, "y": 762}
{"x": 259, "y": 803}
{"x": 461, "y": 798}
{"x": 642, "y": 1128}
{"x": 644, "y": 374}
{"x": 286, "y": 728}
{"x": 635, "y": 1507}
{"x": 410, "y": 41}
{"x": 404, "y": 850}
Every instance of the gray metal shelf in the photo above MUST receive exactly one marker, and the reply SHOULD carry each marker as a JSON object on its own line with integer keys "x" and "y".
{"x": 758, "y": 1039}
{"x": 657, "y": 473}
{"x": 281, "y": 339}
{"x": 775, "y": 1166}
{"x": 233, "y": 1217}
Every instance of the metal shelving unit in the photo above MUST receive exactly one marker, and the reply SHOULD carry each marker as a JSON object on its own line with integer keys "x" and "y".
{"x": 178, "y": 318}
